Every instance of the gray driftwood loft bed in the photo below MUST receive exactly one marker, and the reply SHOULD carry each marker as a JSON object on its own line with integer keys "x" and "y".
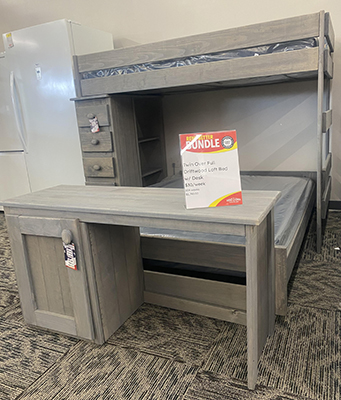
{"x": 123, "y": 88}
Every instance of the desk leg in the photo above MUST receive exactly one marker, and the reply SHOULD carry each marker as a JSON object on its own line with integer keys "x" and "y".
{"x": 271, "y": 270}
{"x": 259, "y": 292}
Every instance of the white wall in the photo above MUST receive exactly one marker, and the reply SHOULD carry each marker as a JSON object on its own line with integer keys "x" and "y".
{"x": 154, "y": 20}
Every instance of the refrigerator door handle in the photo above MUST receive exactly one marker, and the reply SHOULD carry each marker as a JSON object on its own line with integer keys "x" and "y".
{"x": 17, "y": 110}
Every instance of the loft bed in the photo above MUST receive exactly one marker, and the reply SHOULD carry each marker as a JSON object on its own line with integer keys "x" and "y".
{"x": 287, "y": 50}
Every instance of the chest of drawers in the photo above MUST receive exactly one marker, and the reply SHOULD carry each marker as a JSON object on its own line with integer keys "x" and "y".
{"x": 128, "y": 149}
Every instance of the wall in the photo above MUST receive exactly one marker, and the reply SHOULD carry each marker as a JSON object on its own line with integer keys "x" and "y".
{"x": 153, "y": 20}
{"x": 276, "y": 126}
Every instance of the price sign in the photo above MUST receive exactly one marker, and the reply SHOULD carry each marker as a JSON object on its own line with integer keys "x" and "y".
{"x": 210, "y": 167}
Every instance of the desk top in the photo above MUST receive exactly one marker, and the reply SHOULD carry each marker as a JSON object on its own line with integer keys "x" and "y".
{"x": 146, "y": 203}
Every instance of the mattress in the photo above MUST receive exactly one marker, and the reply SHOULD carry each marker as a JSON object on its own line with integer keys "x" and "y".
{"x": 288, "y": 211}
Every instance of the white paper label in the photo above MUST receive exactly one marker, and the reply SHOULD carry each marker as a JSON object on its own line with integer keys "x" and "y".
{"x": 94, "y": 125}
{"x": 210, "y": 167}
{"x": 9, "y": 40}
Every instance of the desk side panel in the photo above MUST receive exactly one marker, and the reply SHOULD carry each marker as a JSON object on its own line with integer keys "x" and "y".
{"x": 118, "y": 273}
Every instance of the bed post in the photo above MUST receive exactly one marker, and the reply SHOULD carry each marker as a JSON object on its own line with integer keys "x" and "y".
{"x": 320, "y": 89}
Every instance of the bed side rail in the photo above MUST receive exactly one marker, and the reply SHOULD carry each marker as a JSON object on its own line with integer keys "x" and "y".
{"x": 280, "y": 65}
{"x": 301, "y": 27}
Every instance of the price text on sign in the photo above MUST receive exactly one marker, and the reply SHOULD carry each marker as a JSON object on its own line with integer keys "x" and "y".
{"x": 210, "y": 167}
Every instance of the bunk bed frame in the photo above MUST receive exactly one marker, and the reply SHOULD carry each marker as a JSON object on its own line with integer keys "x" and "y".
{"x": 302, "y": 64}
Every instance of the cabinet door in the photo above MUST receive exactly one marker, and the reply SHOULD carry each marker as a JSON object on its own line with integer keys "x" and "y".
{"x": 52, "y": 296}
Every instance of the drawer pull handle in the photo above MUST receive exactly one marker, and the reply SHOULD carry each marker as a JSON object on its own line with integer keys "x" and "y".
{"x": 66, "y": 236}
{"x": 90, "y": 115}
{"x": 94, "y": 142}
{"x": 97, "y": 167}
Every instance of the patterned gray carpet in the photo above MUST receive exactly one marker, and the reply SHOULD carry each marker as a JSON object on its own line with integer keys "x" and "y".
{"x": 163, "y": 354}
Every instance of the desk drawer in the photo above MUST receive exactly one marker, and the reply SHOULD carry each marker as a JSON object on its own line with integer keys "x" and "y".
{"x": 96, "y": 142}
{"x": 85, "y": 112}
{"x": 99, "y": 166}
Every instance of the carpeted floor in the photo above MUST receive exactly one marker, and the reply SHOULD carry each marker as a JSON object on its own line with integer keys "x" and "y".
{"x": 163, "y": 354}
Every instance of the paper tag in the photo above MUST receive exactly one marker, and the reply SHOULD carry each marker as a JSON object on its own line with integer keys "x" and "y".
{"x": 94, "y": 125}
{"x": 210, "y": 167}
{"x": 9, "y": 39}
{"x": 70, "y": 255}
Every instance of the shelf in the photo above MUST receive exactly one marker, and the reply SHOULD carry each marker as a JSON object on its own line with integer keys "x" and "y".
{"x": 148, "y": 140}
{"x": 152, "y": 172}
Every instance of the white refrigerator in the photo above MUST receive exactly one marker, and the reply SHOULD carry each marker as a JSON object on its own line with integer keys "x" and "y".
{"x": 39, "y": 142}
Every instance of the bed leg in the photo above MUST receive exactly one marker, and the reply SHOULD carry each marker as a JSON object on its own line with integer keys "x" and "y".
{"x": 281, "y": 281}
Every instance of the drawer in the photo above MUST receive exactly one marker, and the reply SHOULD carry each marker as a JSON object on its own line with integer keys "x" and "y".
{"x": 99, "y": 166}
{"x": 84, "y": 112}
{"x": 96, "y": 142}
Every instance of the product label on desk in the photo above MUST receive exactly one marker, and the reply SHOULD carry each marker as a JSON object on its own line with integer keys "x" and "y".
{"x": 94, "y": 125}
{"x": 70, "y": 255}
{"x": 210, "y": 167}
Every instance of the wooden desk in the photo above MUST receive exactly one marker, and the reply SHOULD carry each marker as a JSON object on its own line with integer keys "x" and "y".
{"x": 93, "y": 301}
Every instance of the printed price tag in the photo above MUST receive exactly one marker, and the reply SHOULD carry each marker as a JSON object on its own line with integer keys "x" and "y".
{"x": 94, "y": 125}
{"x": 210, "y": 167}
{"x": 70, "y": 255}
{"x": 9, "y": 39}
